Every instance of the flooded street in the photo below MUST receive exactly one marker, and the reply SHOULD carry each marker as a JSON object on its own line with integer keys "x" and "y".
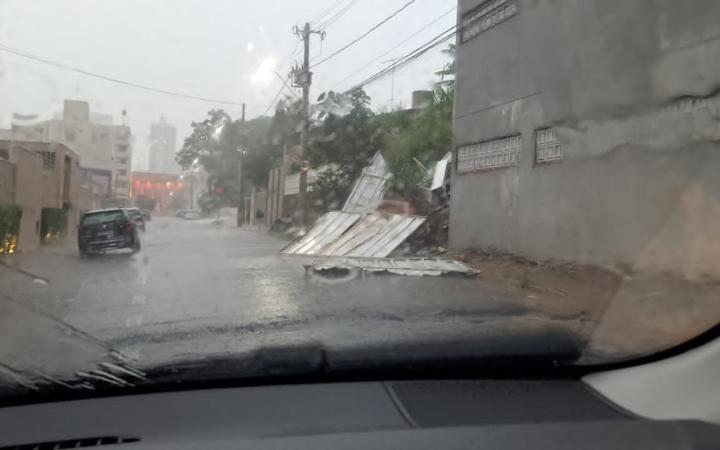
{"x": 203, "y": 288}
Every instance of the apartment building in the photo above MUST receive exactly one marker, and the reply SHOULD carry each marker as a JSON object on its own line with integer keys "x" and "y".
{"x": 100, "y": 144}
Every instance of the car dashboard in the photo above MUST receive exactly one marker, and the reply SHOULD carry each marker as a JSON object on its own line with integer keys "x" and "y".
{"x": 432, "y": 414}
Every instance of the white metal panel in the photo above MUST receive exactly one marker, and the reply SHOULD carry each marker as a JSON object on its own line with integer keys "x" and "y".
{"x": 439, "y": 173}
{"x": 327, "y": 228}
{"x": 369, "y": 189}
{"x": 389, "y": 237}
{"x": 340, "y": 233}
{"x": 400, "y": 266}
{"x": 362, "y": 231}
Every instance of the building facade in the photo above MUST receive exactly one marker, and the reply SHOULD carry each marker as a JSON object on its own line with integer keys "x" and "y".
{"x": 100, "y": 144}
{"x": 163, "y": 139}
{"x": 588, "y": 131}
{"x": 44, "y": 175}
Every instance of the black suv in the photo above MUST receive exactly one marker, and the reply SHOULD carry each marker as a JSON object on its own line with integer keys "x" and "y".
{"x": 107, "y": 229}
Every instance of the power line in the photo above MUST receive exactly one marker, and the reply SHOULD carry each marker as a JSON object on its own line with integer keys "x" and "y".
{"x": 413, "y": 55}
{"x": 337, "y": 15}
{"x": 326, "y": 11}
{"x": 425, "y": 27}
{"x": 277, "y": 96}
{"x": 353, "y": 42}
{"x": 40, "y": 59}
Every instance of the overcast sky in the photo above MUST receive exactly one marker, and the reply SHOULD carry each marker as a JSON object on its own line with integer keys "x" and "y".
{"x": 208, "y": 48}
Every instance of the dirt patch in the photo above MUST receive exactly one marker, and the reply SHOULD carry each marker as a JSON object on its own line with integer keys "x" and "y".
{"x": 623, "y": 314}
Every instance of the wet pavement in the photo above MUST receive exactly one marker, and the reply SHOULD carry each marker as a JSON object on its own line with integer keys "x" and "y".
{"x": 199, "y": 289}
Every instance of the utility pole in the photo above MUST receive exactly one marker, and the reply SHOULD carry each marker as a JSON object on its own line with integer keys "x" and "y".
{"x": 240, "y": 216}
{"x": 302, "y": 77}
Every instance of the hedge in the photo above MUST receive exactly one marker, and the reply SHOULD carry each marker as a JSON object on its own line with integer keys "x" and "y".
{"x": 9, "y": 227}
{"x": 52, "y": 223}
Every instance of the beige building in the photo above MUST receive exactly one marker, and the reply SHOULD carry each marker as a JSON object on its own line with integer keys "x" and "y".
{"x": 100, "y": 144}
{"x": 37, "y": 175}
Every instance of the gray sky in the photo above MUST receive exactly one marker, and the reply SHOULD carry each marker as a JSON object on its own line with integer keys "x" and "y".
{"x": 208, "y": 48}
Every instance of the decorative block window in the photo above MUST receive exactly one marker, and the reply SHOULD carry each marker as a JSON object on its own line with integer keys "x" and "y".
{"x": 503, "y": 152}
{"x": 48, "y": 160}
{"x": 547, "y": 146}
{"x": 485, "y": 16}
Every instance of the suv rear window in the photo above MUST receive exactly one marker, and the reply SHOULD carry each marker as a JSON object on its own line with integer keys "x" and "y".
{"x": 102, "y": 216}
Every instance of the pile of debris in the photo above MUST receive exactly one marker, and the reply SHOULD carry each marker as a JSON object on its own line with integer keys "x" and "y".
{"x": 361, "y": 237}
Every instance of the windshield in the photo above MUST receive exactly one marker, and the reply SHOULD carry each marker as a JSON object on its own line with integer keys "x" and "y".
{"x": 94, "y": 218}
{"x": 342, "y": 187}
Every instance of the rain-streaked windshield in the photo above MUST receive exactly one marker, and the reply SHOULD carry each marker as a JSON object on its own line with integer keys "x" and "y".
{"x": 352, "y": 188}
{"x": 94, "y": 218}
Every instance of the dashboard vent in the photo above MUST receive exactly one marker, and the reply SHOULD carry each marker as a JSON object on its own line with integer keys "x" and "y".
{"x": 73, "y": 443}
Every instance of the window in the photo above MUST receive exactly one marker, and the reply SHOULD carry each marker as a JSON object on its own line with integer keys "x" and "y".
{"x": 123, "y": 160}
{"x": 4, "y": 153}
{"x": 122, "y": 172}
{"x": 48, "y": 160}
{"x": 69, "y": 135}
{"x": 122, "y": 184}
{"x": 123, "y": 147}
{"x": 547, "y": 146}
{"x": 486, "y": 16}
{"x": 493, "y": 154}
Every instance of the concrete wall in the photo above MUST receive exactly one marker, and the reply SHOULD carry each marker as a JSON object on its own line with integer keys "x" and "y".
{"x": 28, "y": 197}
{"x": 631, "y": 90}
{"x": 7, "y": 182}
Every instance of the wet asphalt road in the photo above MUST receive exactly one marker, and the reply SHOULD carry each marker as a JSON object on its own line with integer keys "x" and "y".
{"x": 197, "y": 288}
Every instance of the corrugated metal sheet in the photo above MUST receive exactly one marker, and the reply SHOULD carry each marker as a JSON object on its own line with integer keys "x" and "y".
{"x": 369, "y": 189}
{"x": 341, "y": 233}
{"x": 388, "y": 237}
{"x": 400, "y": 266}
{"x": 326, "y": 230}
{"x": 440, "y": 172}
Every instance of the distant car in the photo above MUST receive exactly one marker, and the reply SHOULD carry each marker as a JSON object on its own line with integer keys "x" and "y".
{"x": 107, "y": 229}
{"x": 137, "y": 216}
{"x": 188, "y": 214}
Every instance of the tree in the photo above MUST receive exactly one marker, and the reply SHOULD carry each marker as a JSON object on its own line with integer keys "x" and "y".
{"x": 427, "y": 138}
{"x": 219, "y": 144}
{"x": 345, "y": 144}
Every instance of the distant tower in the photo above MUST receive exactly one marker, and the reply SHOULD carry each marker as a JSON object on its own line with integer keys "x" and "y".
{"x": 163, "y": 138}
{"x": 124, "y": 117}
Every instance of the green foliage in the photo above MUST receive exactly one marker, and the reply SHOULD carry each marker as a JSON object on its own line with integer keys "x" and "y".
{"x": 10, "y": 216}
{"x": 52, "y": 223}
{"x": 346, "y": 143}
{"x": 223, "y": 147}
{"x": 424, "y": 138}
